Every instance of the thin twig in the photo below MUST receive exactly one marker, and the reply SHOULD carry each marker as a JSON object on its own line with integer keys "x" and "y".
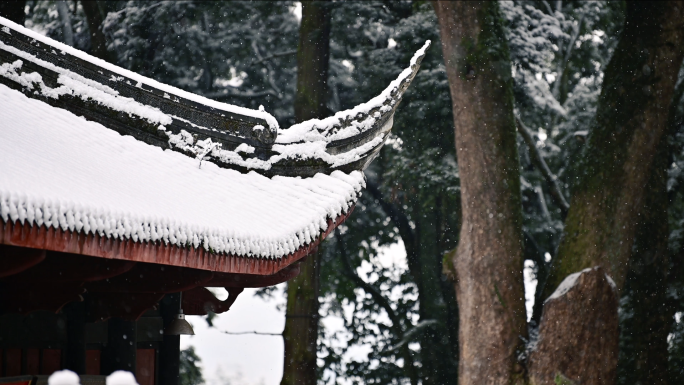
{"x": 381, "y": 300}
{"x": 538, "y": 160}
{"x": 253, "y": 332}
{"x": 367, "y": 287}
{"x": 285, "y": 53}
{"x": 563, "y": 65}
{"x": 397, "y": 216}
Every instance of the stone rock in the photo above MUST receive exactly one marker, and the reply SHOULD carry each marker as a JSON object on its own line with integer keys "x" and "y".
{"x": 578, "y": 333}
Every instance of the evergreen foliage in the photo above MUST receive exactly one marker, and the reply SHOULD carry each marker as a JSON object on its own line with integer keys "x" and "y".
{"x": 190, "y": 371}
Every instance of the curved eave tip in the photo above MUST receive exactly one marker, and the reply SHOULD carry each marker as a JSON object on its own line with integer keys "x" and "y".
{"x": 420, "y": 54}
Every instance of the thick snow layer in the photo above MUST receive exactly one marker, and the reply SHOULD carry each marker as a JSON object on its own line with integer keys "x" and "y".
{"x": 307, "y": 150}
{"x": 64, "y": 377}
{"x": 316, "y": 129}
{"x": 62, "y": 171}
{"x": 75, "y": 85}
{"x": 121, "y": 377}
{"x": 8, "y": 25}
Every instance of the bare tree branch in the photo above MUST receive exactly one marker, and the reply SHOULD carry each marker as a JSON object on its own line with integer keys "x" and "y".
{"x": 397, "y": 216}
{"x": 368, "y": 288}
{"x": 538, "y": 160}
{"x": 413, "y": 332}
{"x": 563, "y": 65}
{"x": 253, "y": 332}
{"x": 230, "y": 93}
{"x": 275, "y": 55}
{"x": 380, "y": 299}
{"x": 271, "y": 73}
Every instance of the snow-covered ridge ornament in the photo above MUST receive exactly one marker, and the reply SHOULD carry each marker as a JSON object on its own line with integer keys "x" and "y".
{"x": 168, "y": 117}
{"x": 233, "y": 186}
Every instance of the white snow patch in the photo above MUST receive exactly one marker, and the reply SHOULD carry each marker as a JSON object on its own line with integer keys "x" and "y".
{"x": 121, "y": 377}
{"x": 246, "y": 148}
{"x": 611, "y": 282}
{"x": 530, "y": 283}
{"x": 62, "y": 171}
{"x": 270, "y": 119}
{"x": 567, "y": 284}
{"x": 76, "y": 85}
{"x": 64, "y": 377}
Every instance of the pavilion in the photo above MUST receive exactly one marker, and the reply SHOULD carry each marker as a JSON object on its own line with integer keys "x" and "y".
{"x": 123, "y": 199}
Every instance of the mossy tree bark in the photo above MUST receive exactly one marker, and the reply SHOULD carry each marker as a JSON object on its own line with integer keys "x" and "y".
{"x": 607, "y": 210}
{"x": 488, "y": 261}
{"x": 301, "y": 323}
{"x": 630, "y": 123}
{"x": 313, "y": 55}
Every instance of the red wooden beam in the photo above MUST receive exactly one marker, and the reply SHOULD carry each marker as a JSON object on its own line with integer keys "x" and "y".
{"x": 251, "y": 280}
{"x": 200, "y": 301}
{"x": 39, "y": 237}
{"x": 63, "y": 267}
{"x": 25, "y": 297}
{"x": 151, "y": 278}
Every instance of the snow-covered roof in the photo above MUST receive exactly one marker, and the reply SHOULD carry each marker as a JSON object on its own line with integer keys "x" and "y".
{"x": 60, "y": 170}
{"x": 92, "y": 148}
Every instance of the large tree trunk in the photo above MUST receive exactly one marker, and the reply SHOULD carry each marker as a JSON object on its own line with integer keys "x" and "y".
{"x": 643, "y": 346}
{"x": 65, "y": 18}
{"x": 630, "y": 122}
{"x": 13, "y": 10}
{"x": 301, "y": 323}
{"x": 488, "y": 261}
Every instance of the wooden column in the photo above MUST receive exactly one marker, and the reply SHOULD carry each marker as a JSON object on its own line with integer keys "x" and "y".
{"x": 75, "y": 352}
{"x": 120, "y": 352}
{"x": 169, "y": 349}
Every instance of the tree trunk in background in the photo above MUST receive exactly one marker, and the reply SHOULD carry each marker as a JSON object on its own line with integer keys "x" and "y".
{"x": 65, "y": 18}
{"x": 13, "y": 10}
{"x": 488, "y": 262}
{"x": 313, "y": 55}
{"x": 301, "y": 323}
{"x": 98, "y": 43}
{"x": 631, "y": 119}
{"x": 643, "y": 349}
{"x": 439, "y": 343}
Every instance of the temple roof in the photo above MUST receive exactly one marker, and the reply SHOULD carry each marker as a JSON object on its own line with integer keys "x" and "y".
{"x": 95, "y": 151}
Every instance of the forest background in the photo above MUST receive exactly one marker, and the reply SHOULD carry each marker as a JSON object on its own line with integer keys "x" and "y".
{"x": 555, "y": 56}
